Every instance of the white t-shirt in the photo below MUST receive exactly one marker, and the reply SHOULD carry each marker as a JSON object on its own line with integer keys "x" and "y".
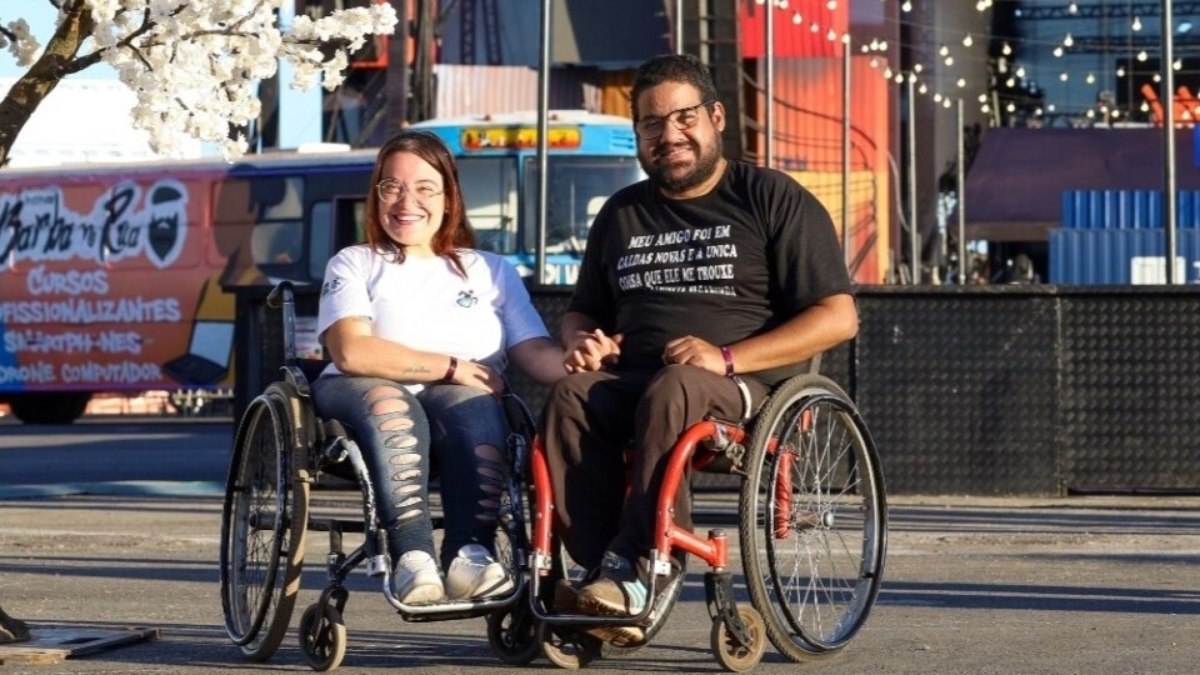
{"x": 425, "y": 304}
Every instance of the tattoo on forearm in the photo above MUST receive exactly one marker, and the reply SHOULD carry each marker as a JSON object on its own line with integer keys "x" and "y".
{"x": 416, "y": 370}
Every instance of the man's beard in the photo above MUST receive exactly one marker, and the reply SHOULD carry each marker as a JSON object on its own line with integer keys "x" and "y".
{"x": 705, "y": 166}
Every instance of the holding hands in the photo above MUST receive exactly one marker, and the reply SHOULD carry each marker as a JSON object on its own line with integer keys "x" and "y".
{"x": 591, "y": 350}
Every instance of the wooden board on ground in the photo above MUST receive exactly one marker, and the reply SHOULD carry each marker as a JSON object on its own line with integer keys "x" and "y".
{"x": 48, "y": 645}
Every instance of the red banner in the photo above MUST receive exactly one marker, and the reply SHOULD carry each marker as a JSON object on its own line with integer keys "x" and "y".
{"x": 801, "y": 30}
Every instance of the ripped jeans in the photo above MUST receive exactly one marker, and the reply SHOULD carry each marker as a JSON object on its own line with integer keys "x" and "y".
{"x": 455, "y": 431}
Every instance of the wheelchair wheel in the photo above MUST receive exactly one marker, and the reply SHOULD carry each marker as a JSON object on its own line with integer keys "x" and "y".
{"x": 323, "y": 637}
{"x": 813, "y": 518}
{"x": 512, "y": 630}
{"x": 567, "y": 647}
{"x": 731, "y": 654}
{"x": 513, "y": 633}
{"x": 263, "y": 525}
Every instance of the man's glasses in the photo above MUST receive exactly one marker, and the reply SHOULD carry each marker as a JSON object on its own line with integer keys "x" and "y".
{"x": 650, "y": 128}
{"x": 393, "y": 191}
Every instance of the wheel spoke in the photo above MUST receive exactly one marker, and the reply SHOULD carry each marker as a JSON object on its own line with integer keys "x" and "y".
{"x": 812, "y": 520}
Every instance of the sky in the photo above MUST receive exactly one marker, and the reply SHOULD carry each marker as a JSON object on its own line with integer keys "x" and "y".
{"x": 40, "y": 15}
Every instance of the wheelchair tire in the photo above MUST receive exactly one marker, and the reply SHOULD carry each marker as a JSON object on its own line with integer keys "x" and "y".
{"x": 813, "y": 518}
{"x": 513, "y": 633}
{"x": 263, "y": 524}
{"x": 733, "y": 656}
{"x": 322, "y": 637}
{"x": 566, "y": 647}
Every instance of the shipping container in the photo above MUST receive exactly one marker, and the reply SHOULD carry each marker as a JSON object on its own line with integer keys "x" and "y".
{"x": 1121, "y": 256}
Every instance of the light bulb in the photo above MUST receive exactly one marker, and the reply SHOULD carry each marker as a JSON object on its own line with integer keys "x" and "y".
{"x": 1006, "y": 49}
{"x": 1021, "y": 72}
{"x": 961, "y": 82}
{"x": 1121, "y": 72}
{"x": 1011, "y": 107}
{"x": 937, "y": 98}
{"x": 968, "y": 40}
{"x": 1142, "y": 55}
{"x": 1137, "y": 23}
{"x": 949, "y": 60}
{"x": 1068, "y": 40}
{"x": 1010, "y": 83}
{"x": 1064, "y": 76}
{"x": 1072, "y": 8}
{"x": 923, "y": 88}
{"x": 796, "y": 19}
{"x": 944, "y": 51}
{"x": 1091, "y": 78}
{"x": 985, "y": 108}
{"x": 918, "y": 67}
{"x": 1058, "y": 52}
{"x": 906, "y": 6}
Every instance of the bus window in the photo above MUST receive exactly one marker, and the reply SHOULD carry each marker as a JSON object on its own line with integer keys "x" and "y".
{"x": 260, "y": 230}
{"x": 489, "y": 187}
{"x": 349, "y": 227}
{"x": 577, "y": 187}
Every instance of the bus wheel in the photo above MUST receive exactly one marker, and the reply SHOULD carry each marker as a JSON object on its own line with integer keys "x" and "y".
{"x": 49, "y": 408}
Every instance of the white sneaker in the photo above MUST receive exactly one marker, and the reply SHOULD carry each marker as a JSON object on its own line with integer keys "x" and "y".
{"x": 475, "y": 574}
{"x": 418, "y": 579}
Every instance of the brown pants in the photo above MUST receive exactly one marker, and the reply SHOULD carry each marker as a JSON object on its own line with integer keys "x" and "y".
{"x": 588, "y": 421}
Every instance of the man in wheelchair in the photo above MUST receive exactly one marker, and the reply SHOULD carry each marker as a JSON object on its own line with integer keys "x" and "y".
{"x": 700, "y": 288}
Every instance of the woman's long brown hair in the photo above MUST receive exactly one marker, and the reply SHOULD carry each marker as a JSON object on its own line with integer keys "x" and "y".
{"x": 455, "y": 232}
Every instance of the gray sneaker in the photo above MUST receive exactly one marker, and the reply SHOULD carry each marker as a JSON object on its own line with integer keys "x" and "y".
{"x": 475, "y": 574}
{"x": 418, "y": 579}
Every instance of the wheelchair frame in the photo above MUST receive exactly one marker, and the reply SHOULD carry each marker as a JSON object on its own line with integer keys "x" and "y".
{"x": 810, "y": 474}
{"x": 269, "y": 497}
{"x": 812, "y": 488}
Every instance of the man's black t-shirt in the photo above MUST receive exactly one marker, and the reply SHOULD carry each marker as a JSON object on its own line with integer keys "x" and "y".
{"x": 752, "y": 253}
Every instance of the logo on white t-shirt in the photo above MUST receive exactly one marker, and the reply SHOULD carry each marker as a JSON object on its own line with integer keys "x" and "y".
{"x": 332, "y": 286}
{"x": 467, "y": 298}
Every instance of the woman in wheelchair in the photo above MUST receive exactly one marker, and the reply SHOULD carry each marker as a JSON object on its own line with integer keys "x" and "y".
{"x": 420, "y": 327}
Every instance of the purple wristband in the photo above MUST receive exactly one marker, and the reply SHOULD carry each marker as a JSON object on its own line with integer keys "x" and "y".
{"x": 728, "y": 356}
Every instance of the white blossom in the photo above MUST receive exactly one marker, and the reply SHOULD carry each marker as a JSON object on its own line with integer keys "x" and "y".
{"x": 194, "y": 65}
{"x": 23, "y": 46}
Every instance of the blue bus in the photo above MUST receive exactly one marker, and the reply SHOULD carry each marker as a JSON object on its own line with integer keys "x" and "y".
{"x": 590, "y": 156}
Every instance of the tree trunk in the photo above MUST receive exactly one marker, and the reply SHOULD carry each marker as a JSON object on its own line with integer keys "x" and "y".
{"x": 12, "y": 630}
{"x": 57, "y": 61}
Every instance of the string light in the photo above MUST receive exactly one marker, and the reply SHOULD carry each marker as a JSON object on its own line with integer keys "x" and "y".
{"x": 1013, "y": 86}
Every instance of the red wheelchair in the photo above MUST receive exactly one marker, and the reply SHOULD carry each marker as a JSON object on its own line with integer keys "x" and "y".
{"x": 812, "y": 529}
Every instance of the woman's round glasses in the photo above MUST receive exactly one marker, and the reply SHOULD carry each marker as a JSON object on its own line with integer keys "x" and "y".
{"x": 393, "y": 191}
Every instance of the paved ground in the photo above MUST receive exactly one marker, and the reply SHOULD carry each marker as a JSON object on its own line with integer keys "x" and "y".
{"x": 973, "y": 586}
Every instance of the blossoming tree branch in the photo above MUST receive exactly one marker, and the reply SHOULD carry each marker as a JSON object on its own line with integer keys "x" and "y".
{"x": 194, "y": 65}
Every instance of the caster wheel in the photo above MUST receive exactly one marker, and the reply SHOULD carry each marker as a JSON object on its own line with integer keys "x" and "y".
{"x": 322, "y": 637}
{"x": 733, "y": 656}
{"x": 567, "y": 648}
{"x": 513, "y": 633}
